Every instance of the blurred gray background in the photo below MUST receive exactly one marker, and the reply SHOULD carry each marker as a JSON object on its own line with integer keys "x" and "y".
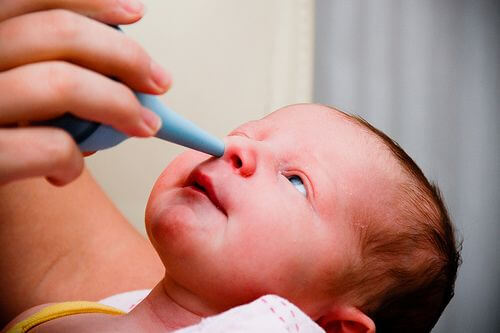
{"x": 427, "y": 73}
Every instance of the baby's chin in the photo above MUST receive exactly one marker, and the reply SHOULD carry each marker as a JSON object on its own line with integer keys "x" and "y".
{"x": 180, "y": 225}
{"x": 167, "y": 189}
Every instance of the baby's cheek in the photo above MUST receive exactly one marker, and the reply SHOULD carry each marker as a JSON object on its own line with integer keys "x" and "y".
{"x": 176, "y": 173}
{"x": 175, "y": 231}
{"x": 189, "y": 159}
{"x": 183, "y": 164}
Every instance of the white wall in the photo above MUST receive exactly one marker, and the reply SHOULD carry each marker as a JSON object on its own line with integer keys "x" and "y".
{"x": 231, "y": 60}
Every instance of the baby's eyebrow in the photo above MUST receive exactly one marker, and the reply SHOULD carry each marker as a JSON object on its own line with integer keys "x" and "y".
{"x": 250, "y": 130}
{"x": 239, "y": 133}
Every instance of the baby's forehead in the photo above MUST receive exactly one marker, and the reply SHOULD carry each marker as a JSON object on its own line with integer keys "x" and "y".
{"x": 319, "y": 129}
{"x": 349, "y": 165}
{"x": 307, "y": 113}
{"x": 340, "y": 144}
{"x": 302, "y": 116}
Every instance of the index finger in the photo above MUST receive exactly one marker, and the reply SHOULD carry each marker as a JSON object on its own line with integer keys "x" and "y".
{"x": 107, "y": 11}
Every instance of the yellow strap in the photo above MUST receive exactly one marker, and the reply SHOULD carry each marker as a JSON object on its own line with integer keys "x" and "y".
{"x": 62, "y": 310}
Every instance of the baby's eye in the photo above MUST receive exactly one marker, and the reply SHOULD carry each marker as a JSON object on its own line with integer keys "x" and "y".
{"x": 298, "y": 183}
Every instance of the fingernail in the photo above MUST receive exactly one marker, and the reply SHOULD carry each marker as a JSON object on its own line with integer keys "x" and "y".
{"x": 151, "y": 121}
{"x": 159, "y": 76}
{"x": 132, "y": 6}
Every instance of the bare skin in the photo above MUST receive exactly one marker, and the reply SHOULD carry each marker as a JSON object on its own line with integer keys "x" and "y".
{"x": 72, "y": 246}
{"x": 242, "y": 236}
{"x": 155, "y": 314}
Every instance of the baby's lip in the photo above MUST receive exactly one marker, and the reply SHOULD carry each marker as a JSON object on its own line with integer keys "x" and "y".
{"x": 203, "y": 183}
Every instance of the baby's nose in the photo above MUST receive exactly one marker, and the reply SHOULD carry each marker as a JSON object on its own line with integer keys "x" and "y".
{"x": 240, "y": 153}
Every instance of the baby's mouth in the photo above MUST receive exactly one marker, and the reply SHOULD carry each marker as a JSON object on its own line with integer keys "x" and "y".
{"x": 199, "y": 188}
{"x": 202, "y": 183}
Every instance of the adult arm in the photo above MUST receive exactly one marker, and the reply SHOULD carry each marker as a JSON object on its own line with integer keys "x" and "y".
{"x": 67, "y": 243}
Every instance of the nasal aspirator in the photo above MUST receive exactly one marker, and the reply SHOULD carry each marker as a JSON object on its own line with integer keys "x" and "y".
{"x": 91, "y": 136}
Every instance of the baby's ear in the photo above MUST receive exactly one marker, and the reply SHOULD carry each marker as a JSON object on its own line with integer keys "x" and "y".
{"x": 346, "y": 319}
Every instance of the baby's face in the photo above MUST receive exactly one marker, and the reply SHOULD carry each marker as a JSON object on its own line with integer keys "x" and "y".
{"x": 273, "y": 215}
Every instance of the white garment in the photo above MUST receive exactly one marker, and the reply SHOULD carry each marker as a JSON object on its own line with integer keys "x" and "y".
{"x": 269, "y": 313}
{"x": 126, "y": 301}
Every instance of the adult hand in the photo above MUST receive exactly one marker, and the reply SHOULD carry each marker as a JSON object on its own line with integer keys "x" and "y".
{"x": 57, "y": 57}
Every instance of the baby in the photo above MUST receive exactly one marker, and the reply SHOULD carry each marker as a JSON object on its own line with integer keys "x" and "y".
{"x": 310, "y": 204}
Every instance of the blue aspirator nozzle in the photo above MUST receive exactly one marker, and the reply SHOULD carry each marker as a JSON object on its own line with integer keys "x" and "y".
{"x": 92, "y": 136}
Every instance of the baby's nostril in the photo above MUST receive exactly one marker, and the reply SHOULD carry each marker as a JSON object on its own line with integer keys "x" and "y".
{"x": 236, "y": 161}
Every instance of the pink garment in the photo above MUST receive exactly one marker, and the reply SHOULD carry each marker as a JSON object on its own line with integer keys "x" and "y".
{"x": 269, "y": 313}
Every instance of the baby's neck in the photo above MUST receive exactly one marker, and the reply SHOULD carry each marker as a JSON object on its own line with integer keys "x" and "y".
{"x": 162, "y": 312}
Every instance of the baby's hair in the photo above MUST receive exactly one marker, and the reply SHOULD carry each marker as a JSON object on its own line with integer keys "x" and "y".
{"x": 408, "y": 267}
